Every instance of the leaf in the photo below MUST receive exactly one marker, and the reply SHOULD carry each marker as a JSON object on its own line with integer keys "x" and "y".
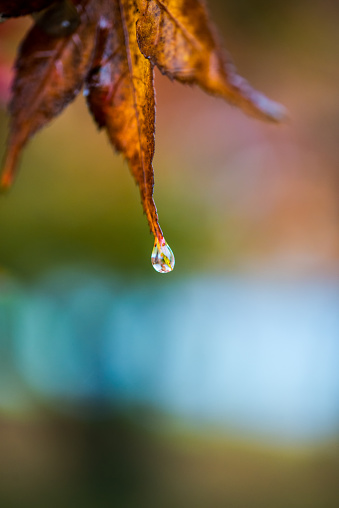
{"x": 179, "y": 39}
{"x": 14, "y": 8}
{"x": 120, "y": 94}
{"x": 111, "y": 47}
{"x": 49, "y": 74}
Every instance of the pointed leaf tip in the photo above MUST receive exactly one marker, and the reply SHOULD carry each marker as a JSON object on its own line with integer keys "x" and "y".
{"x": 271, "y": 110}
{"x": 9, "y": 168}
{"x": 275, "y": 111}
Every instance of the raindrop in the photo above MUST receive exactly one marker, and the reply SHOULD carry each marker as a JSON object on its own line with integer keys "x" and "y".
{"x": 162, "y": 257}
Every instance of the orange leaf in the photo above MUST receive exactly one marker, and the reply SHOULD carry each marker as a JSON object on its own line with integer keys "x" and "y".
{"x": 179, "y": 39}
{"x": 9, "y": 8}
{"x": 111, "y": 46}
{"x": 49, "y": 74}
{"x": 120, "y": 94}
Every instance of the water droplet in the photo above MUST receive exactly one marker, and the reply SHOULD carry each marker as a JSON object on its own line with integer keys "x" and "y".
{"x": 162, "y": 257}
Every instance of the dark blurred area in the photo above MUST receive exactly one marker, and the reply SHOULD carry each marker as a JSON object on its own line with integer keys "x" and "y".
{"x": 216, "y": 385}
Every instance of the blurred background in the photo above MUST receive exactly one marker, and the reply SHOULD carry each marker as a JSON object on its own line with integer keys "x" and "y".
{"x": 216, "y": 385}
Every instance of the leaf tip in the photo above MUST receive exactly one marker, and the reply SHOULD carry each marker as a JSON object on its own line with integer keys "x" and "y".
{"x": 5, "y": 183}
{"x": 274, "y": 111}
{"x": 8, "y": 171}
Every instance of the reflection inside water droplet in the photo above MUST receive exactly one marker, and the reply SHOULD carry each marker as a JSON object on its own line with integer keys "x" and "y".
{"x": 162, "y": 257}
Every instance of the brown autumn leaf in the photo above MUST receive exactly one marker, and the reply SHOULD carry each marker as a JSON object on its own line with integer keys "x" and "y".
{"x": 49, "y": 74}
{"x": 178, "y": 37}
{"x": 120, "y": 94}
{"x": 14, "y": 8}
{"x": 111, "y": 47}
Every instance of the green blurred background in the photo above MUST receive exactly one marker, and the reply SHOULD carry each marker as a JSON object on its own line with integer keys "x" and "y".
{"x": 215, "y": 385}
